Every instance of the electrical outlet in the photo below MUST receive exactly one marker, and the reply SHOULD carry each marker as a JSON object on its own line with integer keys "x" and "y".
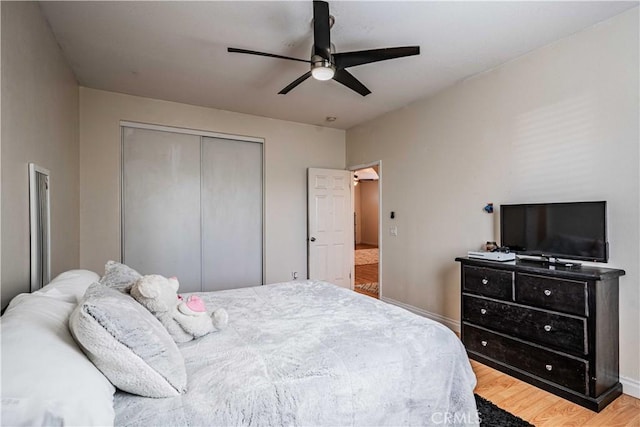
{"x": 393, "y": 230}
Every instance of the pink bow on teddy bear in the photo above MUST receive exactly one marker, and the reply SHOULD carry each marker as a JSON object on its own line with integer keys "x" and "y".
{"x": 194, "y": 303}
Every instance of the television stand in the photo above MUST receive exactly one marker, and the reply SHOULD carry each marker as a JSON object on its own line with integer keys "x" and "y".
{"x": 554, "y": 327}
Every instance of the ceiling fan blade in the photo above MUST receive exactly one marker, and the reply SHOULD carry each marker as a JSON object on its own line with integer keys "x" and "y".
{"x": 270, "y": 55}
{"x": 295, "y": 83}
{"x": 321, "y": 30}
{"x": 347, "y": 79}
{"x": 351, "y": 59}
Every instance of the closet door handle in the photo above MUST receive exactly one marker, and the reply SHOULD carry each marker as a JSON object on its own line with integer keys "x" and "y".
{"x": 313, "y": 239}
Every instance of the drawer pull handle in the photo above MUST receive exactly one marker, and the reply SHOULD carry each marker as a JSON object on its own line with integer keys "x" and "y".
{"x": 484, "y": 343}
{"x": 485, "y": 281}
{"x": 483, "y": 311}
{"x": 547, "y": 328}
{"x": 549, "y": 367}
{"x": 547, "y": 292}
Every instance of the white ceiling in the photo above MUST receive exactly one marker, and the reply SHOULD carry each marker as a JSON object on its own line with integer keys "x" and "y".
{"x": 176, "y": 51}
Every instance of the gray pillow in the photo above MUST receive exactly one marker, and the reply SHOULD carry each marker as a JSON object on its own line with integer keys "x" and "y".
{"x": 128, "y": 344}
{"x": 119, "y": 276}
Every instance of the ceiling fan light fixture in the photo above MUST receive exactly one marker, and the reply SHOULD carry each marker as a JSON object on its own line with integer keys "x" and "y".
{"x": 321, "y": 69}
{"x": 322, "y": 73}
{"x": 326, "y": 63}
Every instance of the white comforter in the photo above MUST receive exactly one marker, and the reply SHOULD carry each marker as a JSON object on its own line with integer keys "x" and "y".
{"x": 310, "y": 353}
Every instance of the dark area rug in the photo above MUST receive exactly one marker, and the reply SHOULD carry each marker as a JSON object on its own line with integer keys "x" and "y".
{"x": 493, "y": 416}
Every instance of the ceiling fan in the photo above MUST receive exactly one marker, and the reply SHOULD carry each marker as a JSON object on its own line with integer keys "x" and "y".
{"x": 325, "y": 63}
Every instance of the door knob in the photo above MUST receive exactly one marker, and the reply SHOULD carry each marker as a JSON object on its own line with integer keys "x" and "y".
{"x": 313, "y": 239}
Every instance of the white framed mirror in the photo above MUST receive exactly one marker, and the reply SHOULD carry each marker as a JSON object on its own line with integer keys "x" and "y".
{"x": 39, "y": 224}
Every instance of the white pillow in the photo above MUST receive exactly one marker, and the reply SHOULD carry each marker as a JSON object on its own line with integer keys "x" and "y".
{"x": 69, "y": 286}
{"x": 119, "y": 276}
{"x": 128, "y": 344}
{"x": 46, "y": 379}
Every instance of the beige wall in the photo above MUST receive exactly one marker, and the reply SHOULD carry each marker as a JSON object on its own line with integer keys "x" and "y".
{"x": 290, "y": 148}
{"x": 558, "y": 124}
{"x": 40, "y": 125}
{"x": 1, "y": 299}
{"x": 369, "y": 199}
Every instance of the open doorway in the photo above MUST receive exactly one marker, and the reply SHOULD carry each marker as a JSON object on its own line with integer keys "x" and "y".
{"x": 366, "y": 193}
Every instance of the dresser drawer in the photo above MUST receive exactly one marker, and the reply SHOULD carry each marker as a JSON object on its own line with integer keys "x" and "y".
{"x": 551, "y": 366}
{"x": 564, "y": 333}
{"x": 488, "y": 282}
{"x": 555, "y": 294}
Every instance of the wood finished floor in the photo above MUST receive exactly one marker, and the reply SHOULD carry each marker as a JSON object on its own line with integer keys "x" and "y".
{"x": 365, "y": 246}
{"x": 544, "y": 409}
{"x": 367, "y": 273}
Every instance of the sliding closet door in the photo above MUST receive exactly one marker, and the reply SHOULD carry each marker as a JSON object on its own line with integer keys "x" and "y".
{"x": 161, "y": 205}
{"x": 231, "y": 214}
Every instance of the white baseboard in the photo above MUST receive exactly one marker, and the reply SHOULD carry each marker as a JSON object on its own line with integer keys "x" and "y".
{"x": 452, "y": 324}
{"x": 630, "y": 386}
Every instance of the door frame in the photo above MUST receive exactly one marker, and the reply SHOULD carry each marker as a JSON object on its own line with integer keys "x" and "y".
{"x": 380, "y": 235}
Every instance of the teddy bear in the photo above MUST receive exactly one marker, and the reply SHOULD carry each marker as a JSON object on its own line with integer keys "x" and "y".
{"x": 185, "y": 319}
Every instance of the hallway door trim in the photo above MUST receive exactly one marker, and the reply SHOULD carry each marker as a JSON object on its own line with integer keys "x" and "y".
{"x": 380, "y": 234}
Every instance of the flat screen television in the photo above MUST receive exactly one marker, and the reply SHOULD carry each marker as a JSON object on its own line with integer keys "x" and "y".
{"x": 575, "y": 230}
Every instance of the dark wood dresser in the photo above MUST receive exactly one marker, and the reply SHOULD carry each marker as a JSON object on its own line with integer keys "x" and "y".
{"x": 553, "y": 327}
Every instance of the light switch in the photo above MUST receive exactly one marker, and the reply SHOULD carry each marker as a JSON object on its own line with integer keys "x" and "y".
{"x": 393, "y": 230}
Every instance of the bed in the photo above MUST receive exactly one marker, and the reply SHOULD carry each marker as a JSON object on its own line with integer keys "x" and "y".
{"x": 295, "y": 353}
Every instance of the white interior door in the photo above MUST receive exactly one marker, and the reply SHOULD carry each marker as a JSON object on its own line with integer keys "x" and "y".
{"x": 330, "y": 226}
